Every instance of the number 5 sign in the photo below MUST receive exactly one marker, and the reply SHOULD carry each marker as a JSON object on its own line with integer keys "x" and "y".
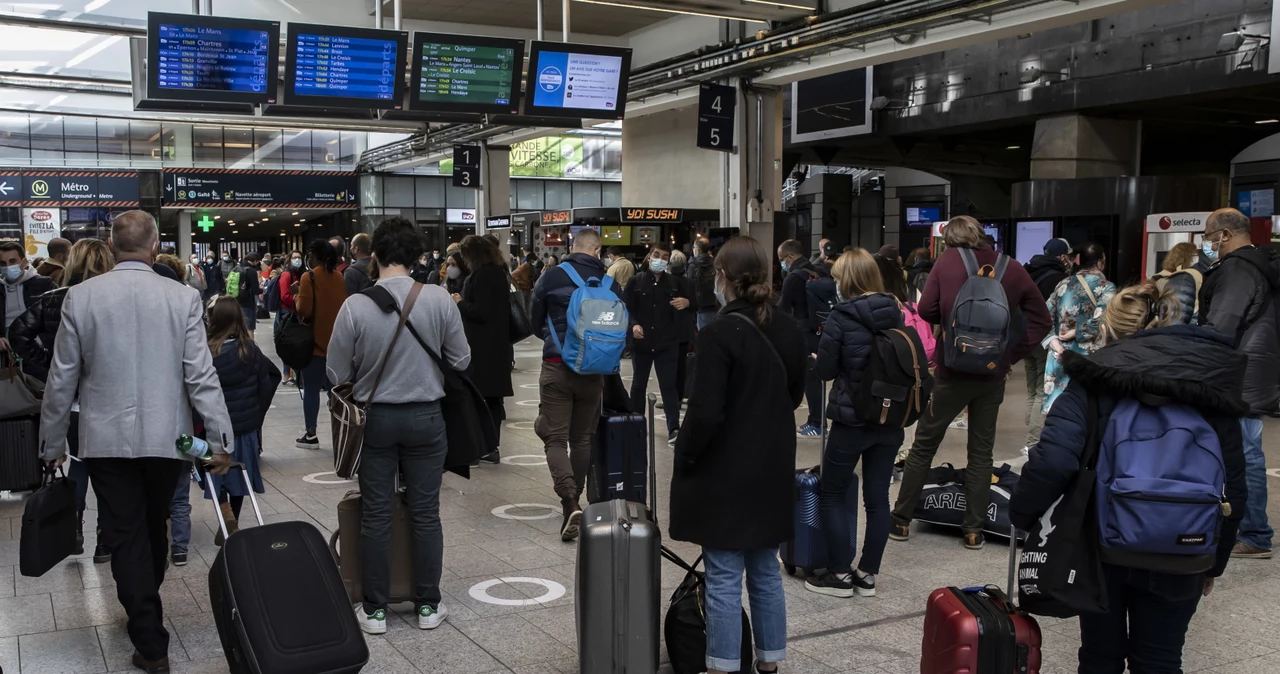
{"x": 716, "y": 106}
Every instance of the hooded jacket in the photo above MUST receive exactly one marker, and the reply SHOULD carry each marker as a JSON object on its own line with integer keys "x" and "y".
{"x": 1192, "y": 365}
{"x": 845, "y": 348}
{"x": 551, "y": 298}
{"x": 1047, "y": 272}
{"x": 792, "y": 299}
{"x": 26, "y": 290}
{"x": 1238, "y": 299}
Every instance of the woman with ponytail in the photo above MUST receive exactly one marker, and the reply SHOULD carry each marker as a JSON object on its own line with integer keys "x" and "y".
{"x": 1154, "y": 357}
{"x": 733, "y": 481}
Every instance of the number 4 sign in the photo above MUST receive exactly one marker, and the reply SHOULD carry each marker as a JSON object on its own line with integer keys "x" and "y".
{"x": 717, "y": 104}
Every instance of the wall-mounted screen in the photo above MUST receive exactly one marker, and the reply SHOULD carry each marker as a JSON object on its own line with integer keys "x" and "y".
{"x": 923, "y": 216}
{"x": 466, "y": 73}
{"x": 1030, "y": 237}
{"x": 832, "y": 106}
{"x": 577, "y": 80}
{"x": 333, "y": 66}
{"x": 207, "y": 58}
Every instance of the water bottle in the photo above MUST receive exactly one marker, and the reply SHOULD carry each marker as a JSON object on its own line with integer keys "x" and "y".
{"x": 193, "y": 447}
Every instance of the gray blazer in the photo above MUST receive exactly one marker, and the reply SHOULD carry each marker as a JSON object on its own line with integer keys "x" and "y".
{"x": 132, "y": 343}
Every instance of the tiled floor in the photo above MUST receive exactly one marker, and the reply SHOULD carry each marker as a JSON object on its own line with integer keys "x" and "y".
{"x": 69, "y": 622}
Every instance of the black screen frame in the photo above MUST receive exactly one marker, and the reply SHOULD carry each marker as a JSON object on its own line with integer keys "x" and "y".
{"x": 416, "y": 104}
{"x": 155, "y": 92}
{"x": 292, "y": 97}
{"x": 620, "y": 104}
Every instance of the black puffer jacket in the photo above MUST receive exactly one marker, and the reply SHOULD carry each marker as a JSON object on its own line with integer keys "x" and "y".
{"x": 918, "y": 275}
{"x": 845, "y": 348}
{"x": 1185, "y": 286}
{"x": 244, "y": 383}
{"x": 32, "y": 333}
{"x": 1194, "y": 366}
{"x": 1238, "y": 299}
{"x": 1047, "y": 272}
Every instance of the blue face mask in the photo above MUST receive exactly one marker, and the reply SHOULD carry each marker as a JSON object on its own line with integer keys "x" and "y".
{"x": 657, "y": 265}
{"x": 719, "y": 295}
{"x": 786, "y": 266}
{"x": 1206, "y": 249}
{"x": 13, "y": 273}
{"x": 296, "y": 263}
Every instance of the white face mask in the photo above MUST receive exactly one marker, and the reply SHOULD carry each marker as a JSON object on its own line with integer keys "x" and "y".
{"x": 454, "y": 273}
{"x": 657, "y": 265}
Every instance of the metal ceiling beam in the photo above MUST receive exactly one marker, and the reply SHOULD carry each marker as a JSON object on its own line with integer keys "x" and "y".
{"x": 74, "y": 26}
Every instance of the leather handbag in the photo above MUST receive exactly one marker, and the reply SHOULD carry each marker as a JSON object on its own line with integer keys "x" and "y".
{"x": 296, "y": 341}
{"x": 349, "y": 415}
{"x": 19, "y": 392}
{"x": 48, "y": 526}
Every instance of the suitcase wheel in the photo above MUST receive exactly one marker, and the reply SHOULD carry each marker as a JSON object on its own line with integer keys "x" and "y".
{"x": 791, "y": 569}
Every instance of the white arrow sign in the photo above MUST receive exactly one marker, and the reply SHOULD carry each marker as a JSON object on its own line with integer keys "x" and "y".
{"x": 5, "y": 189}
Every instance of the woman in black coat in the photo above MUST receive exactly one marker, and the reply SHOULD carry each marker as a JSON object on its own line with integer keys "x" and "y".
{"x": 486, "y": 317}
{"x": 733, "y": 484}
{"x": 843, "y": 354}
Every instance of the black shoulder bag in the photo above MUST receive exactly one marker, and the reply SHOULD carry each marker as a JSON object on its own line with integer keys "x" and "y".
{"x": 296, "y": 341}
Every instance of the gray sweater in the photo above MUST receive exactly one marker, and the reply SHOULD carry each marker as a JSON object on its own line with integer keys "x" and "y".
{"x": 362, "y": 336}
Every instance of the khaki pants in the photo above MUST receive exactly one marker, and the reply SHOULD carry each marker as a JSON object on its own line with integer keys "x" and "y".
{"x": 1034, "y": 363}
{"x": 568, "y": 414}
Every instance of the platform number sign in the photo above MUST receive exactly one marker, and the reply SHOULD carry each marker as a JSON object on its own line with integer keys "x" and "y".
{"x": 466, "y": 166}
{"x": 717, "y": 104}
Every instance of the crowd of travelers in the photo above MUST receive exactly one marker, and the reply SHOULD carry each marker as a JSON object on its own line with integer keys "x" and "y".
{"x": 1200, "y": 334}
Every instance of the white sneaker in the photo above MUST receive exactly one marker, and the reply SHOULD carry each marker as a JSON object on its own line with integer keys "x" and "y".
{"x": 960, "y": 424}
{"x": 431, "y": 618}
{"x": 372, "y": 624}
{"x": 1026, "y": 451}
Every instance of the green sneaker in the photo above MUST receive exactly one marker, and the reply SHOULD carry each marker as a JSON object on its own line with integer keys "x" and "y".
{"x": 372, "y": 624}
{"x": 431, "y": 618}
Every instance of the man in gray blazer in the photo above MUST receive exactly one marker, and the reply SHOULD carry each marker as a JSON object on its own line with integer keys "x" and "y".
{"x": 132, "y": 350}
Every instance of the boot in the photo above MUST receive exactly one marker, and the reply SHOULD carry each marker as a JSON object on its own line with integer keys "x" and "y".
{"x": 232, "y": 525}
{"x": 80, "y": 536}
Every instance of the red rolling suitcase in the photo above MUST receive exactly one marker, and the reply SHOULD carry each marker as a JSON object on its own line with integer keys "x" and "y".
{"x": 979, "y": 631}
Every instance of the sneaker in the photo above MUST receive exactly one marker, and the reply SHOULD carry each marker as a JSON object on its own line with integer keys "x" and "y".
{"x": 307, "y": 441}
{"x": 766, "y": 671}
{"x": 179, "y": 559}
{"x": 372, "y": 624}
{"x": 899, "y": 532}
{"x": 671, "y": 437}
{"x": 659, "y": 405}
{"x": 898, "y": 469}
{"x": 572, "y": 516}
{"x": 831, "y": 585}
{"x": 431, "y": 618}
{"x": 809, "y": 431}
{"x": 865, "y": 586}
{"x": 960, "y": 424}
{"x": 101, "y": 554}
{"x": 1026, "y": 451}
{"x": 1243, "y": 550}
{"x": 974, "y": 541}
{"x": 492, "y": 457}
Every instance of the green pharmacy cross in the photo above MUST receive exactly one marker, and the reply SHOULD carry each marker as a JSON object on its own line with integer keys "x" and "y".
{"x": 205, "y": 223}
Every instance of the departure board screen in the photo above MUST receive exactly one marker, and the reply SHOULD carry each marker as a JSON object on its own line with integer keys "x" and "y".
{"x": 464, "y": 73}
{"x": 193, "y": 57}
{"x": 334, "y": 66}
{"x": 577, "y": 80}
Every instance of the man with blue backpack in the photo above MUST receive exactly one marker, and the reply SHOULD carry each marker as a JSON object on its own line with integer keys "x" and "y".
{"x": 579, "y": 314}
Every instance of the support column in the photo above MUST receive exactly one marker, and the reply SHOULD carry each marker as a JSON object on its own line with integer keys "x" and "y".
{"x": 1075, "y": 146}
{"x": 184, "y": 234}
{"x": 494, "y": 197}
{"x": 752, "y": 176}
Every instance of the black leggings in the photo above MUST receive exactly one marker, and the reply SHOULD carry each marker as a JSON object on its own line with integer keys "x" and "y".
{"x": 236, "y": 502}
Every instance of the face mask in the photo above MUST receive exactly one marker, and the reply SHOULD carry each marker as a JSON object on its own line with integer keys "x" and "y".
{"x": 608, "y": 260}
{"x": 1207, "y": 249}
{"x": 720, "y": 295}
{"x": 657, "y": 265}
{"x": 296, "y": 263}
{"x": 226, "y": 258}
{"x": 786, "y": 266}
{"x": 454, "y": 273}
{"x": 209, "y": 261}
{"x": 13, "y": 273}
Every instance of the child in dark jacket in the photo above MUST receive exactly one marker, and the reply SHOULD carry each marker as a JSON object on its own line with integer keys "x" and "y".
{"x": 843, "y": 353}
{"x": 249, "y": 380}
{"x": 1149, "y": 611}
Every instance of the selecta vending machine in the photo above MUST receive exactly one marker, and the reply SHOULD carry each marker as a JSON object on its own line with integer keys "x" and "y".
{"x": 1166, "y": 230}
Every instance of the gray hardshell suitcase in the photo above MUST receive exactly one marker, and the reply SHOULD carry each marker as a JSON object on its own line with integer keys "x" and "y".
{"x": 617, "y": 605}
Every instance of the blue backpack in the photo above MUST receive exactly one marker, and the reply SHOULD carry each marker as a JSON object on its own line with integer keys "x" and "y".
{"x": 1161, "y": 485}
{"x": 271, "y": 295}
{"x": 598, "y": 325}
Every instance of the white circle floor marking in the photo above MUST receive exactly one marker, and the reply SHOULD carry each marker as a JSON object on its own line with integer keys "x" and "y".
{"x": 532, "y": 387}
{"x": 1273, "y": 472}
{"x": 501, "y": 511}
{"x": 314, "y": 478}
{"x": 528, "y": 403}
{"x": 480, "y": 591}
{"x": 519, "y": 425}
{"x": 538, "y": 460}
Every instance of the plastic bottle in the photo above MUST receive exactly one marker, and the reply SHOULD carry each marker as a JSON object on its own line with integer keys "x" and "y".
{"x": 193, "y": 447}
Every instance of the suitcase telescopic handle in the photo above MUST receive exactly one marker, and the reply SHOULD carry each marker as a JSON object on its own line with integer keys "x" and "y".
{"x": 217, "y": 508}
{"x": 1013, "y": 566}
{"x": 653, "y": 459}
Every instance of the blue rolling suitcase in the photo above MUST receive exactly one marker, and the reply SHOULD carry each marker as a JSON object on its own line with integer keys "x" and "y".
{"x": 807, "y": 551}
{"x": 619, "y": 460}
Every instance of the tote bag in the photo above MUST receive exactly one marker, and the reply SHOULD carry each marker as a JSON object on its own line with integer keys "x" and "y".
{"x": 296, "y": 341}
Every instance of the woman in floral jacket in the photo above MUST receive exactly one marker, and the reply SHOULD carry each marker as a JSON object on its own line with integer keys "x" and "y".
{"x": 1076, "y": 307}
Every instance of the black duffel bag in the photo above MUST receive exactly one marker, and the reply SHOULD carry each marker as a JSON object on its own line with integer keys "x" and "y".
{"x": 295, "y": 341}
{"x": 685, "y": 628}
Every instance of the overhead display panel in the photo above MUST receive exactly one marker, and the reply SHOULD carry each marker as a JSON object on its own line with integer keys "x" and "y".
{"x": 207, "y": 58}
{"x": 333, "y": 66}
{"x": 466, "y": 73}
{"x": 577, "y": 80}
{"x": 259, "y": 188}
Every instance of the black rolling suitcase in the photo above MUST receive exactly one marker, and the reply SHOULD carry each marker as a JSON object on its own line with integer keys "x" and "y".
{"x": 279, "y": 603}
{"x": 20, "y": 465}
{"x": 617, "y": 605}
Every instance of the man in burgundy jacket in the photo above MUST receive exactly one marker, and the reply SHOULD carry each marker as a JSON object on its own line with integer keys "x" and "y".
{"x": 954, "y": 391}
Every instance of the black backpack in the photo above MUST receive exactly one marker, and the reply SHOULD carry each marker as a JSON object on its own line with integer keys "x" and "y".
{"x": 896, "y": 384}
{"x": 820, "y": 298}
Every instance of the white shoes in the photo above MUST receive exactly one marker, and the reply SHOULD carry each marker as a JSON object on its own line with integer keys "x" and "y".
{"x": 371, "y": 624}
{"x": 431, "y": 618}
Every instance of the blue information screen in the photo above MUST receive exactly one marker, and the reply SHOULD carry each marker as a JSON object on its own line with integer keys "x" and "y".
{"x": 346, "y": 67}
{"x": 204, "y": 58}
{"x": 576, "y": 81}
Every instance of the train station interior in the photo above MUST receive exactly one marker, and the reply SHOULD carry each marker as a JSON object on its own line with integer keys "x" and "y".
{"x": 863, "y": 123}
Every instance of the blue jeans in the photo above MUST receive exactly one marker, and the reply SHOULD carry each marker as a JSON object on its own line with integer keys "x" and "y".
{"x": 1254, "y": 529}
{"x": 725, "y": 569}
{"x": 250, "y": 317}
{"x": 180, "y": 514}
{"x": 877, "y": 448}
{"x": 705, "y": 316}
{"x": 1146, "y": 624}
{"x": 314, "y": 378}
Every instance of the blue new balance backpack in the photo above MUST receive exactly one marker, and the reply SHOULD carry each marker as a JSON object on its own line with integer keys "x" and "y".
{"x": 598, "y": 324}
{"x": 1161, "y": 485}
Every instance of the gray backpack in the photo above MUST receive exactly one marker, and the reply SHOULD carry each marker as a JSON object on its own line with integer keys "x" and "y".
{"x": 978, "y": 334}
